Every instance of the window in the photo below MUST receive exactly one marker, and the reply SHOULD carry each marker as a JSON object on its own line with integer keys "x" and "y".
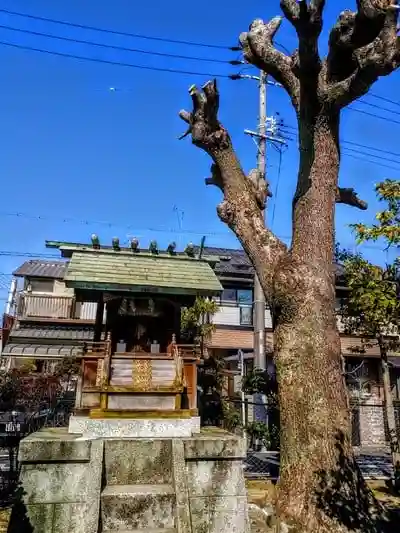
{"x": 240, "y": 296}
{"x": 245, "y": 296}
{"x": 246, "y": 315}
{"x": 229, "y": 295}
{"x": 40, "y": 285}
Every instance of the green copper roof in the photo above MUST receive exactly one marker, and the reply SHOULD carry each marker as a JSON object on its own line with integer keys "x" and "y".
{"x": 141, "y": 272}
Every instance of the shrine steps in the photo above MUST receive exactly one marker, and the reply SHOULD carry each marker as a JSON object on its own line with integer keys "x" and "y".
{"x": 133, "y": 507}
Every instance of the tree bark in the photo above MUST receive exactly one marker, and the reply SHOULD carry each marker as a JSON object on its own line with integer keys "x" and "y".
{"x": 320, "y": 487}
{"x": 388, "y": 399}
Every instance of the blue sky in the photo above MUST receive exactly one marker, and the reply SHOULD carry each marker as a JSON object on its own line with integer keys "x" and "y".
{"x": 71, "y": 148}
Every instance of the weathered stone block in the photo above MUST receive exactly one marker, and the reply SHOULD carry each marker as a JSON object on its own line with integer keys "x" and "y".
{"x": 215, "y": 478}
{"x": 219, "y": 515}
{"x": 40, "y": 517}
{"x": 63, "y": 481}
{"x": 77, "y": 517}
{"x": 183, "y": 523}
{"x": 138, "y": 507}
{"x": 129, "y": 462}
{"x": 215, "y": 444}
{"x": 54, "y": 444}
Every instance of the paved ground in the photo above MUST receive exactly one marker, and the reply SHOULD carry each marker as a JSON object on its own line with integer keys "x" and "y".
{"x": 374, "y": 464}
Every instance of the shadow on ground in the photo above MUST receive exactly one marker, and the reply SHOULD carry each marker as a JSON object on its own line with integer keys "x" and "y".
{"x": 343, "y": 495}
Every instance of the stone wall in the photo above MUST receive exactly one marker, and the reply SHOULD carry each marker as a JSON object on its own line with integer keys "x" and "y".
{"x": 187, "y": 485}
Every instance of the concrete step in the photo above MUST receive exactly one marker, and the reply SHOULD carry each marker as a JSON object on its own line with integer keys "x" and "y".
{"x": 133, "y": 507}
{"x": 134, "y": 461}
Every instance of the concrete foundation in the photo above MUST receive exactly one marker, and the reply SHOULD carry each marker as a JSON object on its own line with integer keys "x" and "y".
{"x": 76, "y": 484}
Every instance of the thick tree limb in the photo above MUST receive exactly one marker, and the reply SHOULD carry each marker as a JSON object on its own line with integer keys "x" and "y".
{"x": 350, "y": 197}
{"x": 362, "y": 47}
{"x": 259, "y": 50}
{"x": 259, "y": 185}
{"x": 244, "y": 200}
{"x": 307, "y": 20}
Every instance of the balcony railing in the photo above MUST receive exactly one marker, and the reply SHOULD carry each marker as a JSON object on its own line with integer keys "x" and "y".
{"x": 46, "y": 306}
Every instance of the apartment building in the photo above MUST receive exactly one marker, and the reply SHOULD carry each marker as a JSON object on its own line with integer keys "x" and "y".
{"x": 52, "y": 322}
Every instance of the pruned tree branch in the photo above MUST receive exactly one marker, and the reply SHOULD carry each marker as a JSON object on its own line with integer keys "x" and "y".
{"x": 259, "y": 50}
{"x": 244, "y": 196}
{"x": 307, "y": 21}
{"x": 259, "y": 185}
{"x": 349, "y": 196}
{"x": 362, "y": 47}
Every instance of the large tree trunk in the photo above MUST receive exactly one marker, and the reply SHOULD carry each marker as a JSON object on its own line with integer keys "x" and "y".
{"x": 320, "y": 487}
{"x": 388, "y": 402}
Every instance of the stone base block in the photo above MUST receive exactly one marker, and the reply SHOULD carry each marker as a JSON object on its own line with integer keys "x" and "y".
{"x": 141, "y": 428}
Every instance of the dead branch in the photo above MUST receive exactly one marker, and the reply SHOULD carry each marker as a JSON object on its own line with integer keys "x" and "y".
{"x": 350, "y": 197}
{"x": 362, "y": 47}
{"x": 259, "y": 50}
{"x": 244, "y": 196}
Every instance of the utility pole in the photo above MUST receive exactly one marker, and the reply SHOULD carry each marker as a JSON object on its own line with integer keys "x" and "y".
{"x": 259, "y": 298}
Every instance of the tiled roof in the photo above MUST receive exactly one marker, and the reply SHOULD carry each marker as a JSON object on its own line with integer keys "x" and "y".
{"x": 61, "y": 333}
{"x": 235, "y": 262}
{"x": 231, "y": 262}
{"x": 37, "y": 268}
{"x": 41, "y": 350}
{"x": 125, "y": 271}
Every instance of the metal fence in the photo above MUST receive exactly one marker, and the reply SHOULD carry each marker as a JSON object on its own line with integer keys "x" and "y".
{"x": 14, "y": 426}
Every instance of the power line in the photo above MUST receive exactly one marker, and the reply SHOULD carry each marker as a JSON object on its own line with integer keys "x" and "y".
{"x": 108, "y": 62}
{"x": 379, "y": 107}
{"x": 113, "y": 47}
{"x": 114, "y": 32}
{"x": 371, "y": 161}
{"x": 387, "y": 119}
{"x": 153, "y": 38}
{"x": 292, "y": 131}
{"x": 384, "y": 99}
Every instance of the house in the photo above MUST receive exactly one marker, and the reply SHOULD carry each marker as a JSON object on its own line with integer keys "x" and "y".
{"x": 49, "y": 323}
{"x": 234, "y": 332}
{"x": 95, "y": 290}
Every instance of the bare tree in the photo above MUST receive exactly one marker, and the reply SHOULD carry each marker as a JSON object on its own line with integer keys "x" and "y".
{"x": 320, "y": 489}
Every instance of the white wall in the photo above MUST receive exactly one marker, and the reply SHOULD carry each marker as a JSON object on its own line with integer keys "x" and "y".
{"x": 229, "y": 315}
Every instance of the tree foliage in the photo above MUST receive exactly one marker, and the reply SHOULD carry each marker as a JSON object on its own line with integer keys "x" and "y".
{"x": 372, "y": 309}
{"x": 388, "y": 220}
{"x": 196, "y": 321}
{"x": 373, "y": 306}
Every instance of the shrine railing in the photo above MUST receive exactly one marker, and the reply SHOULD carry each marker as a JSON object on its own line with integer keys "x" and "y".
{"x": 137, "y": 381}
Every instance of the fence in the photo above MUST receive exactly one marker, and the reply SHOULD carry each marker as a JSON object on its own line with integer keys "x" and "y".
{"x": 16, "y": 425}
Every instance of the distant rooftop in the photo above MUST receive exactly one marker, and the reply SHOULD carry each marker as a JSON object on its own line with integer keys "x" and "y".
{"x": 38, "y": 268}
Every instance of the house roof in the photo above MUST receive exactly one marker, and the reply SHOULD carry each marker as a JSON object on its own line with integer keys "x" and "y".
{"x": 37, "y": 268}
{"x": 227, "y": 262}
{"x": 44, "y": 351}
{"x": 125, "y": 271}
{"x": 21, "y": 332}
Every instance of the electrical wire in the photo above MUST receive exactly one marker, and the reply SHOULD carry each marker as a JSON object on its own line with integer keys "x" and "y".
{"x": 108, "y": 62}
{"x": 112, "y": 47}
{"x": 291, "y": 130}
{"x": 387, "y": 119}
{"x": 153, "y": 38}
{"x": 114, "y": 32}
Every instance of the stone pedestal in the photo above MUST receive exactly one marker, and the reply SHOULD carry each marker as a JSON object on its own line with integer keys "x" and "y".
{"x": 137, "y": 428}
{"x": 76, "y": 484}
